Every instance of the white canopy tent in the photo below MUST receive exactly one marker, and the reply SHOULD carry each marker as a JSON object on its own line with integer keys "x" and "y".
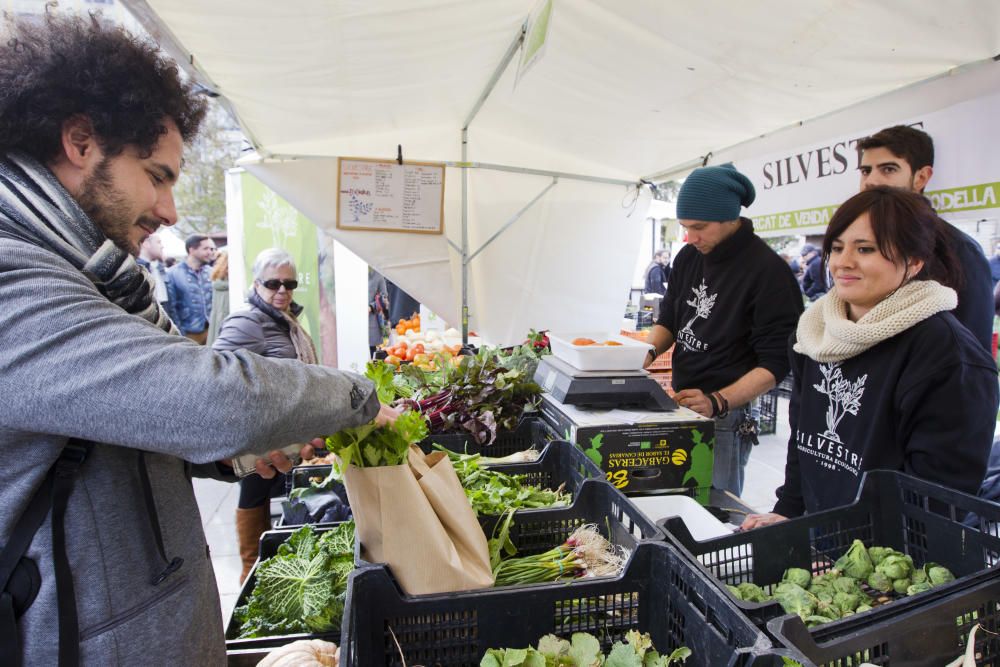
{"x": 623, "y": 90}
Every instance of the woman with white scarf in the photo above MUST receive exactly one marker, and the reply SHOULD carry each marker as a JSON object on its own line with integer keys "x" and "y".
{"x": 885, "y": 377}
{"x": 269, "y": 328}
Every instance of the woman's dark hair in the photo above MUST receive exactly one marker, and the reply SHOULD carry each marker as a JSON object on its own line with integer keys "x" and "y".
{"x": 63, "y": 66}
{"x": 905, "y": 227}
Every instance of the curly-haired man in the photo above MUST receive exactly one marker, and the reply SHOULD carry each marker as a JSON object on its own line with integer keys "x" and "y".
{"x": 99, "y": 530}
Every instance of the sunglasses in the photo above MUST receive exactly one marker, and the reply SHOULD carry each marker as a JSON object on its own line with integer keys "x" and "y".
{"x": 274, "y": 284}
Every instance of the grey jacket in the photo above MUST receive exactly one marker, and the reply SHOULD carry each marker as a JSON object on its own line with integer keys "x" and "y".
{"x": 72, "y": 364}
{"x": 261, "y": 329}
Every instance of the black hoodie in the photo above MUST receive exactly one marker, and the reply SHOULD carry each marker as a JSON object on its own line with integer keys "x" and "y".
{"x": 750, "y": 303}
{"x": 923, "y": 402}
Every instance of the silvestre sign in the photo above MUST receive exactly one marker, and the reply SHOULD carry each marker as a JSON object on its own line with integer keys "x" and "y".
{"x": 798, "y": 190}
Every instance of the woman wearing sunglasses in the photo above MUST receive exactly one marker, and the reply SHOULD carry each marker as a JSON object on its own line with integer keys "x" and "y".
{"x": 269, "y": 328}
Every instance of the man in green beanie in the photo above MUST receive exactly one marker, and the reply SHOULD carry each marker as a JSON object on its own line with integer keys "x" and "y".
{"x": 730, "y": 307}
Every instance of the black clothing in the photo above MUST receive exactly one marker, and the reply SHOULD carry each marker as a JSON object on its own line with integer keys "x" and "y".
{"x": 923, "y": 402}
{"x": 750, "y": 303}
{"x": 814, "y": 281}
{"x": 655, "y": 279}
{"x": 401, "y": 305}
{"x": 975, "y": 297}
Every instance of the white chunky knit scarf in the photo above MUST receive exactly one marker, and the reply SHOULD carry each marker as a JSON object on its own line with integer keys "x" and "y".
{"x": 826, "y": 335}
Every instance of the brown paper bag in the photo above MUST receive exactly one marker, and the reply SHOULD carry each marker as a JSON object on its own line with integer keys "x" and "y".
{"x": 416, "y": 518}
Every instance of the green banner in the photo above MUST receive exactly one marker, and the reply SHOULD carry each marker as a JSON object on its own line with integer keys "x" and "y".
{"x": 967, "y": 198}
{"x": 271, "y": 222}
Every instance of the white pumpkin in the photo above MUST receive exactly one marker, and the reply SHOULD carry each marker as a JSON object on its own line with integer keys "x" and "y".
{"x": 303, "y": 653}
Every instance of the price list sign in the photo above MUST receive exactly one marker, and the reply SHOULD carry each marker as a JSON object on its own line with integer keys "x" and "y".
{"x": 383, "y": 195}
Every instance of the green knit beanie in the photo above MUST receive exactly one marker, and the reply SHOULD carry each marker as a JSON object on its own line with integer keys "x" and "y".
{"x": 714, "y": 194}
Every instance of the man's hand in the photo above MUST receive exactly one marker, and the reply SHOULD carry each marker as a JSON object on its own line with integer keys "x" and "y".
{"x": 694, "y": 399}
{"x": 760, "y": 520}
{"x": 276, "y": 460}
{"x": 386, "y": 416}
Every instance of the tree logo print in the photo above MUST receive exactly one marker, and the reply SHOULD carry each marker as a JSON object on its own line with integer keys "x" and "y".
{"x": 702, "y": 304}
{"x": 844, "y": 396}
{"x": 359, "y": 208}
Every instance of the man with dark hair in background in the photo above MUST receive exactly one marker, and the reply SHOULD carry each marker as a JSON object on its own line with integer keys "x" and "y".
{"x": 107, "y": 412}
{"x": 903, "y": 157}
{"x": 190, "y": 288}
{"x": 657, "y": 272}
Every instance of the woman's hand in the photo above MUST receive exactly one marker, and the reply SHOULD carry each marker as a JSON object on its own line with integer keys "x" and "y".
{"x": 694, "y": 399}
{"x": 760, "y": 520}
{"x": 386, "y": 416}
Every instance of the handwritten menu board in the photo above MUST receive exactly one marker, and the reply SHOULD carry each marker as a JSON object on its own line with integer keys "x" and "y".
{"x": 383, "y": 195}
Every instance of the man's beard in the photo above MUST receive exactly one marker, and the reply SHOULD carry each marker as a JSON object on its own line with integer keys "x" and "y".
{"x": 108, "y": 207}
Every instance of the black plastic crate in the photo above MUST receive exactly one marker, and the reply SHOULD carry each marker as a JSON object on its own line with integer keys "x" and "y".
{"x": 931, "y": 634}
{"x": 269, "y": 543}
{"x": 659, "y": 592}
{"x": 919, "y": 518}
{"x": 599, "y": 503}
{"x": 560, "y": 464}
{"x": 767, "y": 421}
{"x": 530, "y": 432}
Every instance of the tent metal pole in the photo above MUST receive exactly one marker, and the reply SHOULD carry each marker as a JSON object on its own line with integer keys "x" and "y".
{"x": 542, "y": 172}
{"x": 514, "y": 218}
{"x": 490, "y": 85}
{"x": 497, "y": 73}
{"x": 465, "y": 239}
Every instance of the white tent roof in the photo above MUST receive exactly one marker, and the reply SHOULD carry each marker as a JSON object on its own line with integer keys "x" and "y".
{"x": 624, "y": 89}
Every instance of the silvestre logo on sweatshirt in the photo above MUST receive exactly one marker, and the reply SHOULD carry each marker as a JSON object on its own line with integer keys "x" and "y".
{"x": 702, "y": 303}
{"x": 844, "y": 398}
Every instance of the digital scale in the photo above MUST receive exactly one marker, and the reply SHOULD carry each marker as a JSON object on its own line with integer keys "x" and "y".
{"x": 601, "y": 389}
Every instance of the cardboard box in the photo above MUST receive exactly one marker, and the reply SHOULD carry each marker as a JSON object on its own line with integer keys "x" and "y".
{"x": 641, "y": 451}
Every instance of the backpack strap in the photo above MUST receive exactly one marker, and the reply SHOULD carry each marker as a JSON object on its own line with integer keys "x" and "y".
{"x": 53, "y": 495}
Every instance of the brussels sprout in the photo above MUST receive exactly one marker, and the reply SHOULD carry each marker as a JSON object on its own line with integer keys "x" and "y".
{"x": 846, "y": 585}
{"x": 900, "y": 585}
{"x": 939, "y": 575}
{"x": 823, "y": 591}
{"x": 895, "y": 567}
{"x": 825, "y": 578}
{"x": 796, "y": 600}
{"x": 829, "y": 609}
{"x": 752, "y": 592}
{"x": 847, "y": 601}
{"x": 856, "y": 562}
{"x": 799, "y": 576}
{"x": 816, "y": 619}
{"x": 880, "y": 582}
{"x": 878, "y": 554}
{"x": 918, "y": 588}
{"x": 735, "y": 592}
{"x": 863, "y": 607}
{"x": 919, "y": 576}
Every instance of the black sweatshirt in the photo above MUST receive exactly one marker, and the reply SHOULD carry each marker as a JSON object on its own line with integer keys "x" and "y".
{"x": 923, "y": 402}
{"x": 975, "y": 299}
{"x": 750, "y": 303}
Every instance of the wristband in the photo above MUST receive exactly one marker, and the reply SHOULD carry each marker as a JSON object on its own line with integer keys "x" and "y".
{"x": 724, "y": 410}
{"x": 715, "y": 404}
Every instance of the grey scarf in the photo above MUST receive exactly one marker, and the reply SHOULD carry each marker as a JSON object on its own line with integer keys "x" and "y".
{"x": 35, "y": 207}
